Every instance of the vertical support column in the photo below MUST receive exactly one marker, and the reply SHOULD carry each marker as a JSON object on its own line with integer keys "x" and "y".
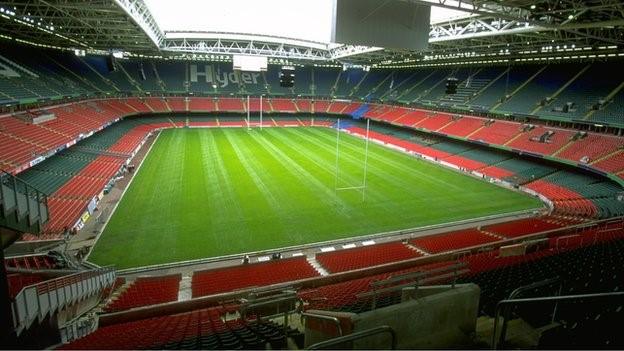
{"x": 337, "y": 156}
{"x": 7, "y": 336}
{"x": 365, "y": 160}
{"x": 248, "y": 127}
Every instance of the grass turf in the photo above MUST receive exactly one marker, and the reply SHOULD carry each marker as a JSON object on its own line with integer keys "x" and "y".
{"x": 213, "y": 192}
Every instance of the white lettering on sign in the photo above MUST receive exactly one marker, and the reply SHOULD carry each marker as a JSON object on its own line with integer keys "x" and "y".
{"x": 221, "y": 78}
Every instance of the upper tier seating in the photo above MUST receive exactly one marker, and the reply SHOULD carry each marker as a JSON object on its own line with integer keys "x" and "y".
{"x": 585, "y": 91}
{"x": 542, "y": 86}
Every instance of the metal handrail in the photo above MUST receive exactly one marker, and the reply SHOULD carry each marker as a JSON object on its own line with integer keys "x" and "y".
{"x": 356, "y": 336}
{"x": 305, "y": 315}
{"x": 554, "y": 299}
{"x": 453, "y": 274}
{"x": 514, "y": 294}
{"x": 420, "y": 274}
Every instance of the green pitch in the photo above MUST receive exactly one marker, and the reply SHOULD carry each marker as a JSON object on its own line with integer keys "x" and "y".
{"x": 213, "y": 192}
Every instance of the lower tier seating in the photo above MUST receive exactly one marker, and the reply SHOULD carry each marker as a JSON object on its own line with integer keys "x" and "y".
{"x": 196, "y": 330}
{"x": 521, "y": 227}
{"x": 366, "y": 256}
{"x": 220, "y": 280}
{"x": 146, "y": 291}
{"x": 453, "y": 240}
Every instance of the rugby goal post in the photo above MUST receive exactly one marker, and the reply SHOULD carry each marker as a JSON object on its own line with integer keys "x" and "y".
{"x": 361, "y": 187}
{"x": 248, "y": 120}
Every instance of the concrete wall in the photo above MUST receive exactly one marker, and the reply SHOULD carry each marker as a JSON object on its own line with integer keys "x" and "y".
{"x": 428, "y": 317}
{"x": 432, "y": 317}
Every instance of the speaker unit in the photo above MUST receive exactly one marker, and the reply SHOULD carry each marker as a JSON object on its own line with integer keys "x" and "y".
{"x": 287, "y": 77}
{"x": 451, "y": 85}
{"x": 110, "y": 63}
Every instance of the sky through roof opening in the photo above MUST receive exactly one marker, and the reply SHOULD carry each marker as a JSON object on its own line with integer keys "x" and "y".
{"x": 298, "y": 19}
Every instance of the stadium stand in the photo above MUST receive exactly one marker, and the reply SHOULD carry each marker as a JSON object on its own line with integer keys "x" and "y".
{"x": 453, "y": 240}
{"x": 366, "y": 256}
{"x": 237, "y": 277}
{"x": 146, "y": 291}
{"x": 545, "y": 121}
{"x": 200, "y": 329}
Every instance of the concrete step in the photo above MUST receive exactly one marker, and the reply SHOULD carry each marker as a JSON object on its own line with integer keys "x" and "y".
{"x": 417, "y": 249}
{"x": 185, "y": 291}
{"x": 317, "y": 266}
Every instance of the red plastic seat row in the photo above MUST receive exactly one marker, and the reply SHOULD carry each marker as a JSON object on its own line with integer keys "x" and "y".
{"x": 496, "y": 172}
{"x": 131, "y": 140}
{"x": 64, "y": 213}
{"x": 377, "y": 111}
{"x": 352, "y": 107}
{"x": 177, "y": 104}
{"x": 412, "y": 117}
{"x": 304, "y": 105}
{"x": 612, "y": 164}
{"x": 157, "y": 104}
{"x": 138, "y": 105}
{"x": 226, "y": 279}
{"x": 147, "y": 291}
{"x": 521, "y": 227}
{"x": 30, "y": 262}
{"x": 593, "y": 146}
{"x": 81, "y": 187}
{"x": 155, "y": 333}
{"x": 463, "y": 127}
{"x": 283, "y": 105}
{"x": 337, "y": 106}
{"x": 103, "y": 167}
{"x": 529, "y": 141}
{"x": 32, "y": 133}
{"x": 499, "y": 132}
{"x": 120, "y": 107}
{"x": 435, "y": 121}
{"x": 465, "y": 163}
{"x": 452, "y": 241}
{"x": 17, "y": 152}
{"x": 254, "y": 105}
{"x": 231, "y": 104}
{"x": 392, "y": 115}
{"x": 366, "y": 256}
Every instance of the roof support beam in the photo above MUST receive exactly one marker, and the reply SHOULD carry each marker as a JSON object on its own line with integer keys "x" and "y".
{"x": 141, "y": 15}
